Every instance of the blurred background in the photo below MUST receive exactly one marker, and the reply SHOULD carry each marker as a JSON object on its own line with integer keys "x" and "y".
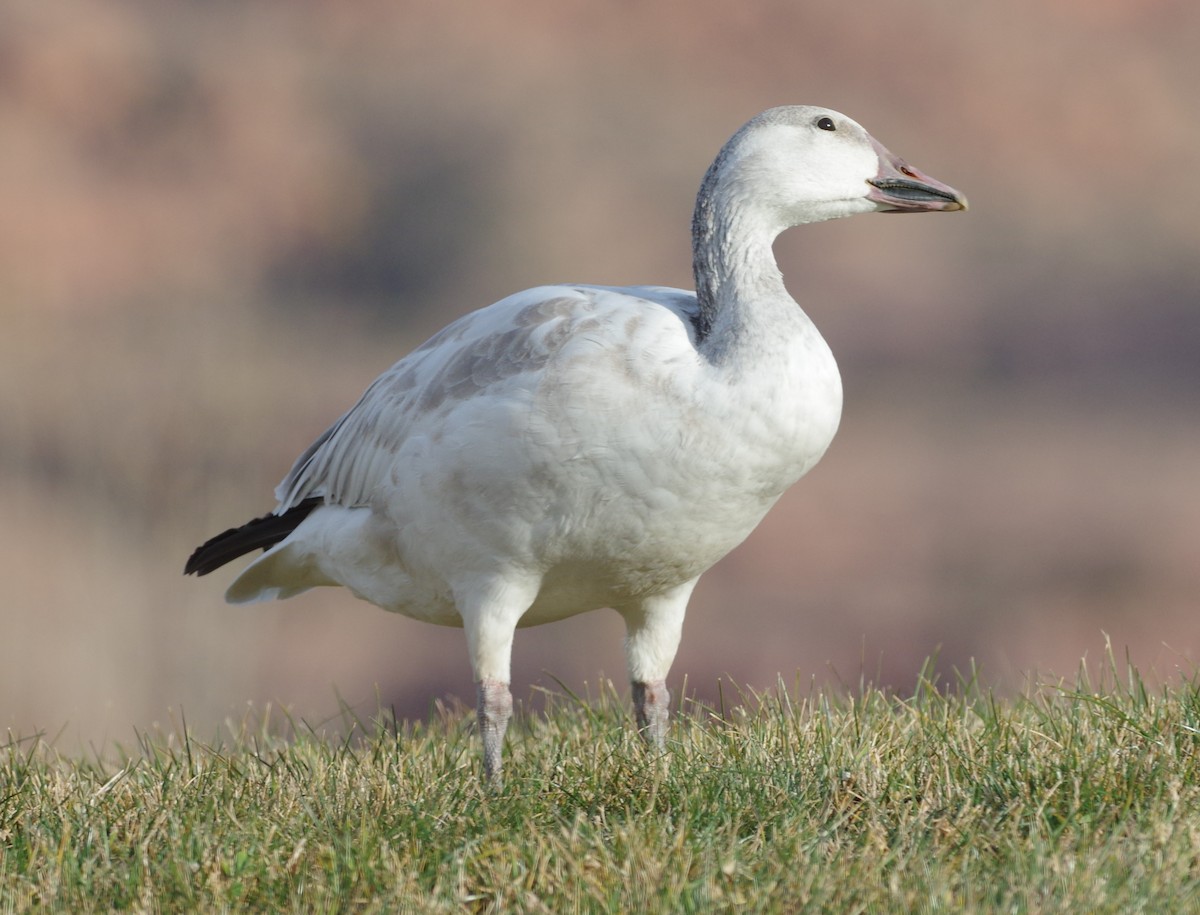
{"x": 219, "y": 222}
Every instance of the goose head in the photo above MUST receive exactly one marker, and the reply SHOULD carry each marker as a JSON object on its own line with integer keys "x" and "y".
{"x": 800, "y": 164}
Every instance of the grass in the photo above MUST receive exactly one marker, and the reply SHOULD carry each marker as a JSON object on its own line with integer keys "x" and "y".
{"x": 1080, "y": 797}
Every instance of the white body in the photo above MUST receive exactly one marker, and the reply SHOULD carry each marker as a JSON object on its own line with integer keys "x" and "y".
{"x": 568, "y": 439}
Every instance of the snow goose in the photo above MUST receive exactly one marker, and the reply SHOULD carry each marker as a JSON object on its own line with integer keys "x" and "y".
{"x": 573, "y": 447}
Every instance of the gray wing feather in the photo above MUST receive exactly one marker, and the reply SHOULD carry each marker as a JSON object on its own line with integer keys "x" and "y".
{"x": 517, "y": 335}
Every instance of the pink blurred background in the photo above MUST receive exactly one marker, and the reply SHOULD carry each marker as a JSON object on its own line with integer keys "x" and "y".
{"x": 219, "y": 222}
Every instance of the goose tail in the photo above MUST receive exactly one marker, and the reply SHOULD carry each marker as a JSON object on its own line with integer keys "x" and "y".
{"x": 259, "y": 534}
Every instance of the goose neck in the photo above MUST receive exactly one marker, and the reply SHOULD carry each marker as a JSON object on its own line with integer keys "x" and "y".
{"x": 738, "y": 282}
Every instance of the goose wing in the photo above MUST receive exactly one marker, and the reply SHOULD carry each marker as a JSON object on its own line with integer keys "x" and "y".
{"x": 509, "y": 343}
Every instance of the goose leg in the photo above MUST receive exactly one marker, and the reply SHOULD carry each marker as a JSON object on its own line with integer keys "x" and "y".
{"x": 653, "y": 629}
{"x": 651, "y": 709}
{"x": 494, "y": 708}
{"x": 490, "y": 612}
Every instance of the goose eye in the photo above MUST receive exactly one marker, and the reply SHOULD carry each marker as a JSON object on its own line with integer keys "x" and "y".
{"x": 826, "y": 123}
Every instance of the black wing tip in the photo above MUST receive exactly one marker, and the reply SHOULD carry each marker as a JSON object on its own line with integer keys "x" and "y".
{"x": 210, "y": 555}
{"x": 260, "y": 533}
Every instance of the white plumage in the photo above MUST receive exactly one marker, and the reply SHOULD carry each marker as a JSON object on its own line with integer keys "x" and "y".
{"x": 574, "y": 447}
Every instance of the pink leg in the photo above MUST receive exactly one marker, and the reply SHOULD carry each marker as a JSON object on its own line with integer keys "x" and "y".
{"x": 494, "y": 709}
{"x": 651, "y": 707}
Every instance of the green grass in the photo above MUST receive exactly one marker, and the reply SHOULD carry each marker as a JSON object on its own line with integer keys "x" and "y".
{"x": 1081, "y": 797}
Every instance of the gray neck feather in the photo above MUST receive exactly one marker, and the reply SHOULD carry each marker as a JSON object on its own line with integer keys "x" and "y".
{"x": 704, "y": 245}
{"x": 734, "y": 266}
